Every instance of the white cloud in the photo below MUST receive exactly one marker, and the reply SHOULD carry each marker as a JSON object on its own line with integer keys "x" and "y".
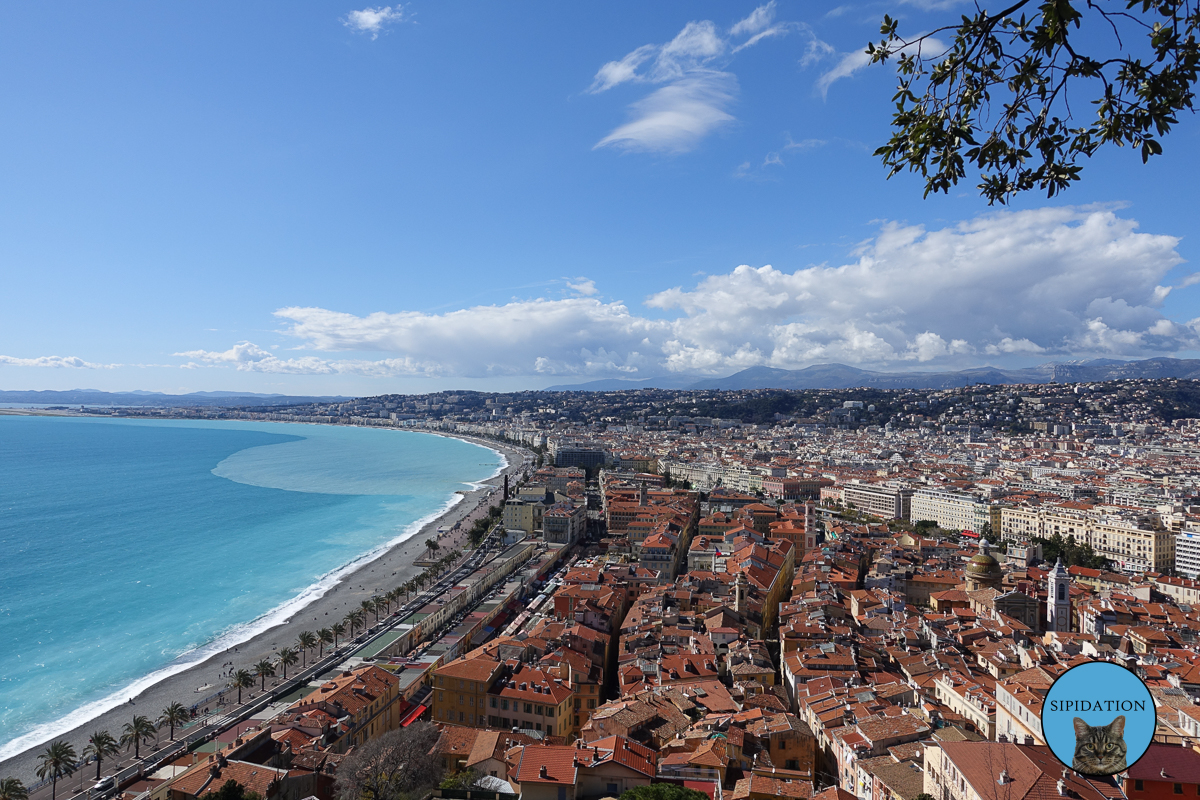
{"x": 928, "y": 345}
{"x": 852, "y": 62}
{"x": 1067, "y": 281}
{"x": 1070, "y": 282}
{"x": 55, "y": 362}
{"x": 932, "y": 5}
{"x": 846, "y": 66}
{"x": 1011, "y": 345}
{"x": 698, "y": 88}
{"x": 757, "y": 21}
{"x": 374, "y": 20}
{"x": 815, "y": 50}
{"x": 583, "y": 286}
{"x": 675, "y": 117}
{"x": 241, "y": 353}
{"x": 617, "y": 72}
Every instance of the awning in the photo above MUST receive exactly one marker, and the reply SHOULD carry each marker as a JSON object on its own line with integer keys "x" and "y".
{"x": 413, "y": 716}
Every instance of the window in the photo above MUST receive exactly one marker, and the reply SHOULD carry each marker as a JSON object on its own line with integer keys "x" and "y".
{"x": 504, "y": 704}
{"x": 1138, "y": 785}
{"x": 461, "y": 718}
{"x": 613, "y": 790}
{"x": 1179, "y": 788}
{"x": 493, "y": 702}
{"x": 591, "y": 703}
{"x": 529, "y": 708}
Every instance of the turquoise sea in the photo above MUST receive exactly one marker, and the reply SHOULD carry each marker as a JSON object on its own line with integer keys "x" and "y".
{"x": 131, "y": 549}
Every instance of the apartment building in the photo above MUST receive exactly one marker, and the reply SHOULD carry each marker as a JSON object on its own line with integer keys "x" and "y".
{"x": 998, "y": 770}
{"x": 881, "y": 501}
{"x": 564, "y": 523}
{"x": 523, "y": 515}
{"x": 1187, "y": 553}
{"x": 485, "y": 692}
{"x": 1131, "y": 540}
{"x": 952, "y": 511}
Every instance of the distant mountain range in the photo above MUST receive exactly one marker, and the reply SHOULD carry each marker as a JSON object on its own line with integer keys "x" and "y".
{"x": 840, "y": 376}
{"x": 91, "y": 397}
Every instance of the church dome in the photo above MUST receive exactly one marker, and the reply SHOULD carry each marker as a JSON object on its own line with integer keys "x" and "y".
{"x": 983, "y": 569}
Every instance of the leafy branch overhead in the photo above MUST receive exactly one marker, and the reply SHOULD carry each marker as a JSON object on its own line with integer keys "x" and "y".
{"x": 1010, "y": 96}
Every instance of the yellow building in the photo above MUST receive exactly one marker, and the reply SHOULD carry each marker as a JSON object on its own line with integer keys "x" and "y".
{"x": 1134, "y": 543}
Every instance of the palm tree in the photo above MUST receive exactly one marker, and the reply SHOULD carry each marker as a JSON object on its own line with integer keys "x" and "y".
{"x": 338, "y": 629}
{"x": 432, "y": 545}
{"x": 367, "y": 607}
{"x": 355, "y": 620}
{"x": 172, "y": 715}
{"x": 101, "y": 745}
{"x": 136, "y": 732}
{"x": 306, "y": 641}
{"x": 57, "y": 761}
{"x": 324, "y": 636}
{"x": 241, "y": 680}
{"x": 286, "y": 658}
{"x": 13, "y": 789}
{"x": 264, "y": 669}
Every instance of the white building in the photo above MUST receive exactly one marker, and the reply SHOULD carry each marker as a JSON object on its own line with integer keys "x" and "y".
{"x": 1187, "y": 553}
{"x": 955, "y": 512}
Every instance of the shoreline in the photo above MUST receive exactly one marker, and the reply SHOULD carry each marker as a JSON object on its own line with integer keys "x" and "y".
{"x": 332, "y": 596}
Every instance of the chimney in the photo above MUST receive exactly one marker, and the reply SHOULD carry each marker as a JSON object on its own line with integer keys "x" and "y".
{"x": 544, "y": 773}
{"x": 1061, "y": 786}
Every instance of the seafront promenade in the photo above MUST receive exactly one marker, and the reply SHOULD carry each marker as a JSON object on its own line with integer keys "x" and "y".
{"x": 202, "y": 682}
{"x": 162, "y": 751}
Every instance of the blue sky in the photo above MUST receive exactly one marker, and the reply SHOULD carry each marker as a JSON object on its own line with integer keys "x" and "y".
{"x": 337, "y": 198}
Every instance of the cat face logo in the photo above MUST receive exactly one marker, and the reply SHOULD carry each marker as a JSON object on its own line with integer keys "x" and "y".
{"x": 1100, "y": 749}
{"x": 1098, "y": 718}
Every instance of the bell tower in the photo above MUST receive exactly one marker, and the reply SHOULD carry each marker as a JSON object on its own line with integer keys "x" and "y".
{"x": 1058, "y": 598}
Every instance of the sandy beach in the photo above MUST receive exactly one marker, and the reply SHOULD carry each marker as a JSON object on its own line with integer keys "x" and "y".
{"x": 389, "y": 570}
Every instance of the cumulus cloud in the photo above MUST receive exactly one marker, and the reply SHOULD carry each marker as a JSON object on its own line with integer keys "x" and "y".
{"x": 695, "y": 90}
{"x": 373, "y": 20}
{"x": 583, "y": 286}
{"x": 1065, "y": 282}
{"x": 56, "y": 362}
{"x": 576, "y": 335}
{"x": 240, "y": 353}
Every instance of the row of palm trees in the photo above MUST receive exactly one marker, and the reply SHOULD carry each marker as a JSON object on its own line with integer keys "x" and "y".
{"x": 353, "y": 622}
{"x": 60, "y": 760}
